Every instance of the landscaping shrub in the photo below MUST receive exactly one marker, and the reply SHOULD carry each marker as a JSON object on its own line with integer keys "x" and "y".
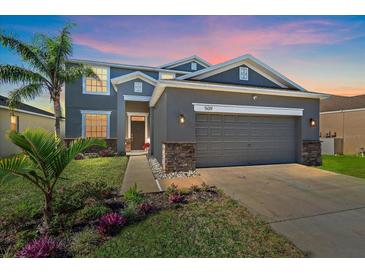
{"x": 133, "y": 195}
{"x": 24, "y": 237}
{"x": 98, "y": 190}
{"x": 108, "y": 152}
{"x": 80, "y": 156}
{"x": 44, "y": 247}
{"x": 171, "y": 189}
{"x": 22, "y": 212}
{"x": 111, "y": 223}
{"x": 84, "y": 242}
{"x": 131, "y": 212}
{"x": 176, "y": 198}
{"x": 91, "y": 212}
{"x": 61, "y": 222}
{"x": 145, "y": 208}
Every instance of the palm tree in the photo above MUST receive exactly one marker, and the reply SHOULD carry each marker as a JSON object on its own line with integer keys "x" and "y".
{"x": 46, "y": 58}
{"x": 42, "y": 162}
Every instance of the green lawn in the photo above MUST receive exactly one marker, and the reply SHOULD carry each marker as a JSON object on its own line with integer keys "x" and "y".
{"x": 20, "y": 196}
{"x": 215, "y": 228}
{"x": 345, "y": 164}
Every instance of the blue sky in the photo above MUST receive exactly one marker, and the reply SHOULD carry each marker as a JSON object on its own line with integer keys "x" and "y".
{"x": 321, "y": 53}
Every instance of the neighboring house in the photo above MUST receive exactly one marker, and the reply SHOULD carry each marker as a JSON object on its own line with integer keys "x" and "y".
{"x": 343, "y": 118}
{"x": 239, "y": 112}
{"x": 24, "y": 116}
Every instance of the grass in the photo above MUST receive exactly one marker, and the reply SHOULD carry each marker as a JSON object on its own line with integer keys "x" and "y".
{"x": 345, "y": 164}
{"x": 20, "y": 196}
{"x": 216, "y": 228}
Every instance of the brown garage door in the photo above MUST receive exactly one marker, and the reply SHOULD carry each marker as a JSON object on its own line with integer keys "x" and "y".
{"x": 228, "y": 140}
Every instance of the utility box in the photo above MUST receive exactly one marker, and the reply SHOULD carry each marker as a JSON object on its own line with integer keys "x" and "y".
{"x": 332, "y": 146}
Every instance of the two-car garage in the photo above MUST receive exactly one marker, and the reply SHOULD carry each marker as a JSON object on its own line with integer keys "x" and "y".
{"x": 227, "y": 140}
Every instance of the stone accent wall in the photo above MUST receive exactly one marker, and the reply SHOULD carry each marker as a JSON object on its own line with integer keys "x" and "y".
{"x": 311, "y": 153}
{"x": 111, "y": 143}
{"x": 178, "y": 156}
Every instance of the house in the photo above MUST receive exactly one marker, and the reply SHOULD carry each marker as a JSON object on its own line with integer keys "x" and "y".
{"x": 194, "y": 114}
{"x": 23, "y": 117}
{"x": 343, "y": 118}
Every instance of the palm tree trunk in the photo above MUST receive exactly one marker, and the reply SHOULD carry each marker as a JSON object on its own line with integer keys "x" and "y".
{"x": 47, "y": 212}
{"x": 57, "y": 112}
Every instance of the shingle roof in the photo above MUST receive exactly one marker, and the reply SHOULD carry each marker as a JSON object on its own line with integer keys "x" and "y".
{"x": 22, "y": 106}
{"x": 334, "y": 103}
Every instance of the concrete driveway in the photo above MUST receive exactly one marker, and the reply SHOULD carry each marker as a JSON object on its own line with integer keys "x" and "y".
{"x": 323, "y": 213}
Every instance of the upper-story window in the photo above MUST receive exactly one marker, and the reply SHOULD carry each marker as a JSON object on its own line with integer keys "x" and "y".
{"x": 194, "y": 66}
{"x": 100, "y": 85}
{"x": 167, "y": 75}
{"x": 243, "y": 73}
{"x": 138, "y": 87}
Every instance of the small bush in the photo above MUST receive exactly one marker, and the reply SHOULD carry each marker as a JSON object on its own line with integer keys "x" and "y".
{"x": 91, "y": 212}
{"x": 131, "y": 212}
{"x": 145, "y": 208}
{"x": 44, "y": 247}
{"x": 108, "y": 152}
{"x": 84, "y": 242}
{"x": 91, "y": 155}
{"x": 80, "y": 156}
{"x": 133, "y": 195}
{"x": 97, "y": 190}
{"x": 111, "y": 223}
{"x": 61, "y": 222}
{"x": 176, "y": 198}
{"x": 24, "y": 237}
{"x": 22, "y": 212}
{"x": 171, "y": 189}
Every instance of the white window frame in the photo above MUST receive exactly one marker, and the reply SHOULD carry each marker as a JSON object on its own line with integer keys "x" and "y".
{"x": 145, "y": 115}
{"x": 194, "y": 66}
{"x": 167, "y": 73}
{"x": 243, "y": 73}
{"x": 135, "y": 87}
{"x": 97, "y": 93}
{"x": 84, "y": 112}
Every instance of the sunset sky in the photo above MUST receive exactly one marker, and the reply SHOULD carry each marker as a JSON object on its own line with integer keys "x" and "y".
{"x": 321, "y": 53}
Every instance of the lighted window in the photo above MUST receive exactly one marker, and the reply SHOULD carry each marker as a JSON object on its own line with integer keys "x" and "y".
{"x": 194, "y": 66}
{"x": 138, "y": 87}
{"x": 96, "y": 124}
{"x": 14, "y": 123}
{"x": 98, "y": 85}
{"x": 243, "y": 73}
{"x": 167, "y": 75}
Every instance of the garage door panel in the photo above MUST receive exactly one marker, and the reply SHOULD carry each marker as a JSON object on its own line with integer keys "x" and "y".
{"x": 224, "y": 140}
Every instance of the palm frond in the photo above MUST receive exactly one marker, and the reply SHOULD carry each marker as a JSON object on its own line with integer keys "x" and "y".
{"x": 27, "y": 92}
{"x": 64, "y": 46}
{"x": 27, "y": 52}
{"x": 14, "y": 167}
{"x": 10, "y": 74}
{"x": 75, "y": 72}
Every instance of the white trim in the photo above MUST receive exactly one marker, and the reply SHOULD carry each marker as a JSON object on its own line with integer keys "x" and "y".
{"x": 97, "y": 92}
{"x": 131, "y": 76}
{"x": 145, "y": 115}
{"x": 235, "y": 62}
{"x": 29, "y": 112}
{"x": 163, "y": 84}
{"x": 186, "y": 60}
{"x": 116, "y": 65}
{"x": 83, "y": 112}
{"x": 342, "y": 110}
{"x": 137, "y": 98}
{"x": 242, "y": 109}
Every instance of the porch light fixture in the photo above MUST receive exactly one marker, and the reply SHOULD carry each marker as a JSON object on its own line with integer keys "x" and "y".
{"x": 181, "y": 119}
{"x": 254, "y": 97}
{"x": 14, "y": 123}
{"x": 312, "y": 122}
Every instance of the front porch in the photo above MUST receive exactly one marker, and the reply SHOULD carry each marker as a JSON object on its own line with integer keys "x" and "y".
{"x": 137, "y": 127}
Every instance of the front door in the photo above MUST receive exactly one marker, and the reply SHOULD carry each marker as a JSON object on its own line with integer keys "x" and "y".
{"x": 137, "y": 133}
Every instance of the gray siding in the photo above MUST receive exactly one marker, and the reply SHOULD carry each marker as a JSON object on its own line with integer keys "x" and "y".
{"x": 232, "y": 77}
{"x": 127, "y": 88}
{"x": 159, "y": 126}
{"x": 187, "y": 67}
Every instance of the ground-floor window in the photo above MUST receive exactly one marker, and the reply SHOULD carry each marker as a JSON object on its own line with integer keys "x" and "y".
{"x": 96, "y": 124}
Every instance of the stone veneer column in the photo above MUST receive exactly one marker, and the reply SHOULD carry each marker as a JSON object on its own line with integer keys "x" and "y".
{"x": 178, "y": 156}
{"x": 311, "y": 153}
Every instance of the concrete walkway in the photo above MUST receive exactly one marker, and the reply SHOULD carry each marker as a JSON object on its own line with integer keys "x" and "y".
{"x": 321, "y": 212}
{"x": 139, "y": 172}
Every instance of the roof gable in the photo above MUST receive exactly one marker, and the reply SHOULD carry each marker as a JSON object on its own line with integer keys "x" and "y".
{"x": 193, "y": 58}
{"x": 249, "y": 61}
{"x": 131, "y": 76}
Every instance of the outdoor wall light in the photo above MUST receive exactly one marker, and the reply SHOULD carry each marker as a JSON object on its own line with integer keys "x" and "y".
{"x": 181, "y": 119}
{"x": 254, "y": 97}
{"x": 312, "y": 122}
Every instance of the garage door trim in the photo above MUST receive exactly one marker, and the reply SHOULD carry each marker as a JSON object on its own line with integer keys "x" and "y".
{"x": 244, "y": 109}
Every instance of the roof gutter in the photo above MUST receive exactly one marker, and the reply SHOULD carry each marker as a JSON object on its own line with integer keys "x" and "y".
{"x": 163, "y": 84}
